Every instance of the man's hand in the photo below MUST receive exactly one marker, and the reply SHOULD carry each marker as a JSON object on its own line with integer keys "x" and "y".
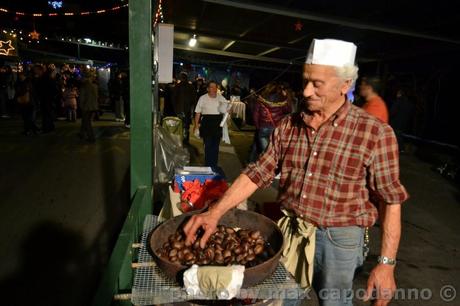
{"x": 382, "y": 279}
{"x": 240, "y": 190}
{"x": 207, "y": 221}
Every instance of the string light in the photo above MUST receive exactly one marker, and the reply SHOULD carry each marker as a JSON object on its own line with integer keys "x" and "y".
{"x": 159, "y": 14}
{"x": 31, "y": 37}
{"x": 85, "y": 13}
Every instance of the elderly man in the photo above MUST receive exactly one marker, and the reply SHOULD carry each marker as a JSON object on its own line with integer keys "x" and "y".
{"x": 331, "y": 155}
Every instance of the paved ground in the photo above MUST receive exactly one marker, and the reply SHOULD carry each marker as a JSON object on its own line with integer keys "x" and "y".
{"x": 63, "y": 202}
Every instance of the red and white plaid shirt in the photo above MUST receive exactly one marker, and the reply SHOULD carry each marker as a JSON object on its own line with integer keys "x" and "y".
{"x": 327, "y": 174}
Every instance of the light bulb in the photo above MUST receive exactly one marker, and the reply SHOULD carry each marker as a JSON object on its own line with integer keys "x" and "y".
{"x": 192, "y": 42}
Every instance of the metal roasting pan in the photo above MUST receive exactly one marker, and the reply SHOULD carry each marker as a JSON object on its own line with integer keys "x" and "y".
{"x": 235, "y": 218}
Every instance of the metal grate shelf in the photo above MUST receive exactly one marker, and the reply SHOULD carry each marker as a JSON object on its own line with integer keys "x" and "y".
{"x": 151, "y": 286}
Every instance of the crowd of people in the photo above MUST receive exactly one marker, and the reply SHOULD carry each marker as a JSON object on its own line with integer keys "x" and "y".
{"x": 48, "y": 93}
{"x": 267, "y": 106}
{"x": 264, "y": 109}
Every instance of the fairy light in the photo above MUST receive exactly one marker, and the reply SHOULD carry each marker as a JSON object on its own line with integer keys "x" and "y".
{"x": 34, "y": 37}
{"x": 85, "y": 13}
{"x": 159, "y": 14}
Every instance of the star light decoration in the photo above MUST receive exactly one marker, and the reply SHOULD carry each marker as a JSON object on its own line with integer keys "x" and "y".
{"x": 34, "y": 35}
{"x": 6, "y": 47}
{"x": 298, "y": 26}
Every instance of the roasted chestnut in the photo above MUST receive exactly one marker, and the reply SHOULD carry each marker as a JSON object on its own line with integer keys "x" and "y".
{"x": 227, "y": 253}
{"x": 178, "y": 245}
{"x": 209, "y": 254}
{"x": 226, "y": 246}
{"x": 255, "y": 234}
{"x": 172, "y": 253}
{"x": 189, "y": 256}
{"x": 258, "y": 249}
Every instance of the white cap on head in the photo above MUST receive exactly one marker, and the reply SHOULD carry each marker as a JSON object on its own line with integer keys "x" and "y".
{"x": 331, "y": 52}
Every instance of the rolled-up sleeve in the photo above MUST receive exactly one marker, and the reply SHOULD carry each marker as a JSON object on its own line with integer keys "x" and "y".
{"x": 383, "y": 179}
{"x": 262, "y": 171}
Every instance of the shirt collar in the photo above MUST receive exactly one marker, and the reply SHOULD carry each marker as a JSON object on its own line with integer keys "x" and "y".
{"x": 335, "y": 119}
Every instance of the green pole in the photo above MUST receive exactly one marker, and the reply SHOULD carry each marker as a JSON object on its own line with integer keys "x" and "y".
{"x": 140, "y": 63}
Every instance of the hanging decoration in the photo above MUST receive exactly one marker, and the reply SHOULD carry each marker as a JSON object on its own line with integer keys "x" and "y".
{"x": 8, "y": 46}
{"x": 159, "y": 14}
{"x": 39, "y": 14}
{"x": 34, "y": 35}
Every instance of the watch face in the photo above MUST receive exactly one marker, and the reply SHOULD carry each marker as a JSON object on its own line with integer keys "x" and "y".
{"x": 385, "y": 260}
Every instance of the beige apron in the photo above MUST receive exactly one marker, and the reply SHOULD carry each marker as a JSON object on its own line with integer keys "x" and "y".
{"x": 299, "y": 250}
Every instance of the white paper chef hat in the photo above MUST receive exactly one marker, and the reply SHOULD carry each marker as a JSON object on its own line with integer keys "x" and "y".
{"x": 331, "y": 52}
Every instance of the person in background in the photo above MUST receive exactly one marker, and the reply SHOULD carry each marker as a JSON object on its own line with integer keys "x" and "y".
{"x": 117, "y": 91}
{"x": 200, "y": 86}
{"x": 183, "y": 97}
{"x": 369, "y": 89}
{"x": 272, "y": 105}
{"x": 88, "y": 105}
{"x": 124, "y": 92}
{"x": 7, "y": 79}
{"x": 236, "y": 90}
{"x": 168, "y": 108}
{"x": 27, "y": 104}
{"x": 69, "y": 101}
{"x": 331, "y": 154}
{"x": 208, "y": 115}
{"x": 3, "y": 93}
{"x": 223, "y": 89}
{"x": 50, "y": 98}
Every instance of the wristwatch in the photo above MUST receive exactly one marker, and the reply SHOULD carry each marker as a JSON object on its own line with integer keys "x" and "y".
{"x": 386, "y": 260}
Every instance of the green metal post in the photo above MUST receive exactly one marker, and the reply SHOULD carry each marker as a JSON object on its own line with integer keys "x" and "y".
{"x": 140, "y": 62}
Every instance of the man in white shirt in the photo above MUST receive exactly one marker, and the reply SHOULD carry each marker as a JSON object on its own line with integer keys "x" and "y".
{"x": 210, "y": 109}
